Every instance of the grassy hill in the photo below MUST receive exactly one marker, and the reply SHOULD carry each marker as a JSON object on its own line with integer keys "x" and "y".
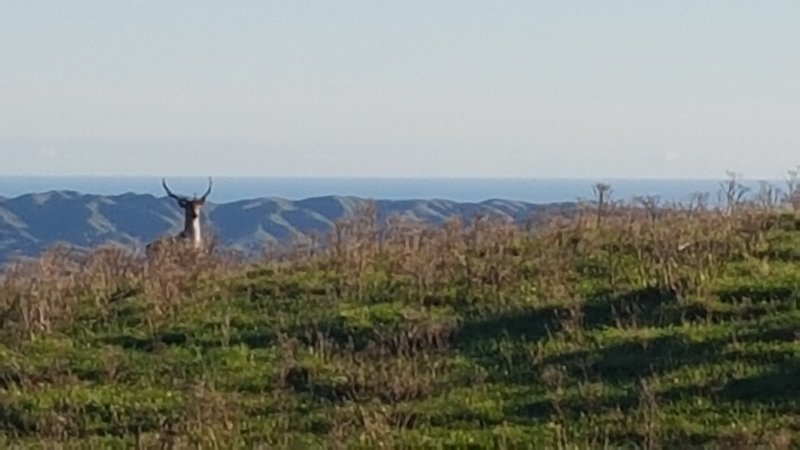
{"x": 619, "y": 326}
{"x": 31, "y": 223}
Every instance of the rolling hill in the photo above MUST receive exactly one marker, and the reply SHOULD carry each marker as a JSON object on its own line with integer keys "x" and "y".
{"x": 31, "y": 223}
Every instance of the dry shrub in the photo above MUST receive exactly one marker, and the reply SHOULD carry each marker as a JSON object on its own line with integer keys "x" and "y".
{"x": 675, "y": 248}
{"x": 37, "y": 296}
{"x": 211, "y": 419}
{"x": 420, "y": 335}
{"x": 341, "y": 374}
{"x": 743, "y": 437}
{"x": 397, "y": 379}
{"x": 371, "y": 425}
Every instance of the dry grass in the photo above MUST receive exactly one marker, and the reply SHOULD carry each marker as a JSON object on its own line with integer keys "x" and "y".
{"x": 404, "y": 295}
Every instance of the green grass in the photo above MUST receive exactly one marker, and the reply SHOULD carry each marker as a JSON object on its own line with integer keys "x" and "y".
{"x": 279, "y": 359}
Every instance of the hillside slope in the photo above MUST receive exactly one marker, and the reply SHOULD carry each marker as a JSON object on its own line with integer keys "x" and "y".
{"x": 586, "y": 334}
{"x": 33, "y": 222}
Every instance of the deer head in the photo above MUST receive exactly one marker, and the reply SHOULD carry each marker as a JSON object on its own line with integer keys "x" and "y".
{"x": 191, "y": 209}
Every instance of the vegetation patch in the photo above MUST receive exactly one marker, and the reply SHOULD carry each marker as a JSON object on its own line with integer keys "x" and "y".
{"x": 617, "y": 325}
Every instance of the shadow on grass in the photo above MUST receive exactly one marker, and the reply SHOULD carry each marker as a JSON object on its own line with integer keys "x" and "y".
{"x": 639, "y": 307}
{"x": 781, "y": 385}
{"x": 155, "y": 343}
{"x": 629, "y": 361}
{"x": 531, "y": 324}
{"x": 147, "y": 344}
{"x": 787, "y": 333}
{"x": 778, "y": 387}
{"x": 574, "y": 407}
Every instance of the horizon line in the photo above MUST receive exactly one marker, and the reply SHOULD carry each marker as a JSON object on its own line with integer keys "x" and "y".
{"x": 402, "y": 177}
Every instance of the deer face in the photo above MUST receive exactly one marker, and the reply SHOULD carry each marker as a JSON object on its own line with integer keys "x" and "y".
{"x": 192, "y": 207}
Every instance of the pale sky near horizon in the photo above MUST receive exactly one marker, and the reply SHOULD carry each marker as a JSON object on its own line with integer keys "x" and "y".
{"x": 404, "y": 88}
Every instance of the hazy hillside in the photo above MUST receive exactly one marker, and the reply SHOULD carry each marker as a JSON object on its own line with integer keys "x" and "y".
{"x": 31, "y": 223}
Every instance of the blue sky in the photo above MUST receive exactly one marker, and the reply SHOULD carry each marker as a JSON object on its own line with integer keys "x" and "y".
{"x": 403, "y": 88}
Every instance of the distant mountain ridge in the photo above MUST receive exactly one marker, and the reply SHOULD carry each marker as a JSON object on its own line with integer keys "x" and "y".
{"x": 33, "y": 222}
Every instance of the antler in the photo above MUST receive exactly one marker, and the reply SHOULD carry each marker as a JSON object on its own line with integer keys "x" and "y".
{"x": 208, "y": 191}
{"x": 169, "y": 192}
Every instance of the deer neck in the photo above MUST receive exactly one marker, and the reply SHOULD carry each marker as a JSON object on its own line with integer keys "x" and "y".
{"x": 191, "y": 230}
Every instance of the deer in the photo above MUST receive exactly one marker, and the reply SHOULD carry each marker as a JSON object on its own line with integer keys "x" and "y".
{"x": 192, "y": 231}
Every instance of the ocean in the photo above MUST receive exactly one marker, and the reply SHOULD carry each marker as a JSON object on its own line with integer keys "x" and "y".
{"x": 228, "y": 189}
